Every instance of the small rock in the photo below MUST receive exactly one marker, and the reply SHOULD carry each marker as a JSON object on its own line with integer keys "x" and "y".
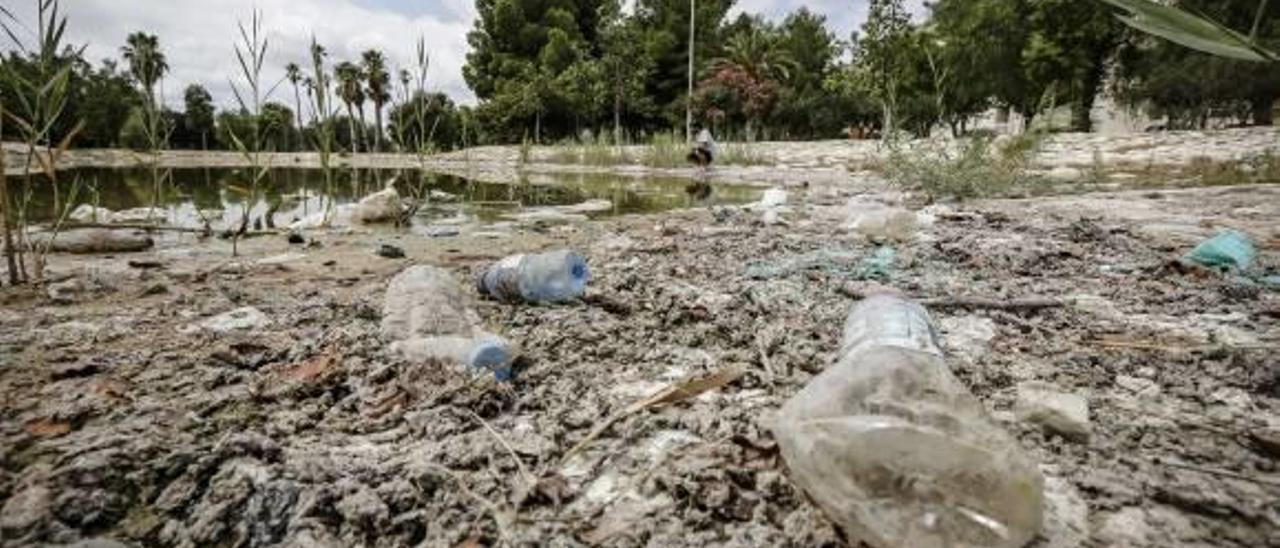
{"x": 1063, "y": 173}
{"x": 1140, "y": 386}
{"x": 364, "y": 509}
{"x": 296, "y": 239}
{"x": 1128, "y": 527}
{"x": 240, "y": 319}
{"x": 1064, "y": 414}
{"x": 158, "y": 288}
{"x": 968, "y": 336}
{"x": 390, "y": 252}
{"x": 1266, "y": 441}
{"x": 65, "y": 292}
{"x": 78, "y": 369}
{"x": 441, "y": 231}
{"x": 381, "y": 206}
{"x": 25, "y": 509}
{"x": 281, "y": 259}
{"x": 87, "y": 213}
{"x": 441, "y": 196}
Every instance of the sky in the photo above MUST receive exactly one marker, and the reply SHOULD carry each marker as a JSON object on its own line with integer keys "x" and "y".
{"x": 198, "y": 36}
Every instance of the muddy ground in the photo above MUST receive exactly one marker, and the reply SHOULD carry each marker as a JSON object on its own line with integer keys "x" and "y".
{"x": 120, "y": 418}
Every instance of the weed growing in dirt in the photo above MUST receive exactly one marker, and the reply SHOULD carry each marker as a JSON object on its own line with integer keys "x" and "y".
{"x": 972, "y": 168}
{"x": 665, "y": 150}
{"x": 741, "y": 154}
{"x": 593, "y": 151}
{"x": 1262, "y": 168}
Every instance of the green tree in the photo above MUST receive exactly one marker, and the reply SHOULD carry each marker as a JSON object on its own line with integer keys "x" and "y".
{"x": 430, "y": 118}
{"x": 627, "y": 68}
{"x": 350, "y": 81}
{"x": 1069, "y": 47}
{"x": 146, "y": 61}
{"x": 277, "y": 127}
{"x": 666, "y": 42}
{"x": 293, "y": 73}
{"x": 519, "y": 50}
{"x": 882, "y": 54}
{"x": 745, "y": 82}
{"x": 1190, "y": 87}
{"x": 198, "y": 117}
{"x": 379, "y": 89}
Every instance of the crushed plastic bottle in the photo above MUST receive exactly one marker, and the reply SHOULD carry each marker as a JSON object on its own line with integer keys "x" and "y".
{"x": 897, "y": 451}
{"x": 429, "y": 317}
{"x": 482, "y": 351}
{"x": 553, "y": 277}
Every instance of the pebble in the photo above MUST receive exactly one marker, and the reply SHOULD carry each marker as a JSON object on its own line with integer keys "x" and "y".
{"x": 240, "y": 319}
{"x": 1058, "y": 412}
{"x": 390, "y": 252}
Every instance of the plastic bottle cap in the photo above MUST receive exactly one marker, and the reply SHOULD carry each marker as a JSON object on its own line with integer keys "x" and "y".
{"x": 489, "y": 355}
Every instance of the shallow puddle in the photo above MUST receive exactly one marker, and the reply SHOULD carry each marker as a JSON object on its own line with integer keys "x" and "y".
{"x": 220, "y": 196}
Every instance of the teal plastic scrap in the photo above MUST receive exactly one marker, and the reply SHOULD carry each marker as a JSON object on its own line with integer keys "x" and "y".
{"x": 878, "y": 266}
{"x": 1230, "y": 251}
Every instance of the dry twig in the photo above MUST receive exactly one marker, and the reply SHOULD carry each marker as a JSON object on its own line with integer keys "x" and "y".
{"x": 671, "y": 394}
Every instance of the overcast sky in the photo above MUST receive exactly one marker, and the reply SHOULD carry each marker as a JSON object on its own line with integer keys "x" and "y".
{"x": 197, "y": 35}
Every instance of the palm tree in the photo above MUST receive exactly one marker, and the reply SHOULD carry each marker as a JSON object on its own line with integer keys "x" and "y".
{"x": 146, "y": 62}
{"x": 294, "y": 73}
{"x": 375, "y": 71}
{"x": 756, "y": 54}
{"x": 351, "y": 90}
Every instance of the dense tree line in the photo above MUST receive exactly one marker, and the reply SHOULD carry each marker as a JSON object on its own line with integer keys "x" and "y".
{"x": 551, "y": 70}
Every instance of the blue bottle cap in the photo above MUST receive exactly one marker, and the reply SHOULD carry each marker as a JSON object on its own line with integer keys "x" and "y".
{"x": 492, "y": 355}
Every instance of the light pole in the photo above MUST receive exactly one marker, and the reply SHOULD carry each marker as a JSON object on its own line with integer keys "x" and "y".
{"x": 688, "y": 101}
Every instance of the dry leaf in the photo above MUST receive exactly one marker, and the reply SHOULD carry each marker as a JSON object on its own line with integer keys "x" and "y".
{"x": 315, "y": 369}
{"x": 48, "y": 428}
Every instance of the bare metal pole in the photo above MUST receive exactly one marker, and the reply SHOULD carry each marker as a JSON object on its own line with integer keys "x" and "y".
{"x": 688, "y": 102}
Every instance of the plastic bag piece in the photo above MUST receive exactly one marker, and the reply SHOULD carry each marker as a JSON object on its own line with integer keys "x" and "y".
{"x": 1230, "y": 251}
{"x": 896, "y": 450}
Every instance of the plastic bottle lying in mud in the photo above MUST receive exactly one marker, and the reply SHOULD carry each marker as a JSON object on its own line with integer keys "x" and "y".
{"x": 897, "y": 452}
{"x": 483, "y": 351}
{"x": 430, "y": 317}
{"x": 552, "y": 277}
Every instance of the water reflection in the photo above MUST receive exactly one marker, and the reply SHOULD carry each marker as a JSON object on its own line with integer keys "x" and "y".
{"x": 219, "y": 197}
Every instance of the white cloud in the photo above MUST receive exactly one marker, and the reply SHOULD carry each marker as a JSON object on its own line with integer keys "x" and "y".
{"x": 198, "y": 36}
{"x": 843, "y": 16}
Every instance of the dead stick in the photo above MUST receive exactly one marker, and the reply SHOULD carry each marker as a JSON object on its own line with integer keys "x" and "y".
{"x": 1220, "y": 473}
{"x": 158, "y": 228}
{"x": 519, "y": 464}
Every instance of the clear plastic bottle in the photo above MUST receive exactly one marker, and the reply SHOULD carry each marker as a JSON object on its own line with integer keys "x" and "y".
{"x": 482, "y": 351}
{"x": 899, "y": 453}
{"x": 552, "y": 277}
{"x": 429, "y": 317}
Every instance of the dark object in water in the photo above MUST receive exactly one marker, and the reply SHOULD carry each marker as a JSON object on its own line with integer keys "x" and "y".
{"x": 701, "y": 156}
{"x": 390, "y": 252}
{"x": 296, "y": 239}
{"x": 698, "y": 190}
